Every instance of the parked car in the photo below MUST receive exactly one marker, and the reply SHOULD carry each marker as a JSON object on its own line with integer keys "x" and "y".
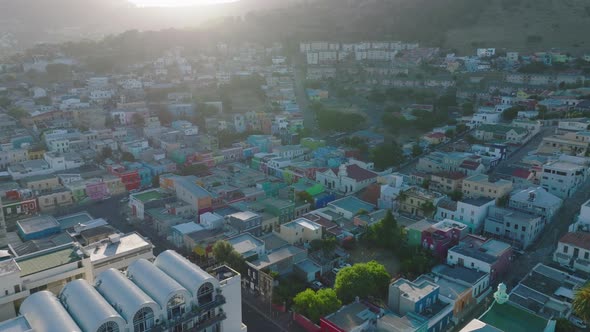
{"x": 316, "y": 285}
{"x": 578, "y": 322}
{"x": 124, "y": 200}
{"x": 336, "y": 270}
{"x": 345, "y": 265}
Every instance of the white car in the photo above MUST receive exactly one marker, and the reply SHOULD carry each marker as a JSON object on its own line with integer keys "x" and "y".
{"x": 578, "y": 322}
{"x": 317, "y": 285}
{"x": 336, "y": 270}
{"x": 345, "y": 265}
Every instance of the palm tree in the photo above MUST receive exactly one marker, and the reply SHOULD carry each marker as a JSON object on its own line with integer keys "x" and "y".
{"x": 581, "y": 304}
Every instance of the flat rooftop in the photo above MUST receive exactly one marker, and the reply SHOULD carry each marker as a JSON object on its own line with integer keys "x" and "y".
{"x": 46, "y": 260}
{"x": 243, "y": 216}
{"x": 8, "y": 266}
{"x": 18, "y": 324}
{"x": 147, "y": 196}
{"x": 303, "y": 222}
{"x": 245, "y": 242}
{"x": 350, "y": 316}
{"x": 37, "y": 224}
{"x": 459, "y": 273}
{"x": 352, "y": 204}
{"x": 277, "y": 256}
{"x": 106, "y": 249}
{"x": 72, "y": 220}
{"x": 415, "y": 290}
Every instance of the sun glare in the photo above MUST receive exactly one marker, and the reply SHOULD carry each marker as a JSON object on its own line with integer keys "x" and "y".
{"x": 175, "y": 3}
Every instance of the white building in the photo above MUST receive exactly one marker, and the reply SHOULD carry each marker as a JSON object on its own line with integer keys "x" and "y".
{"x": 573, "y": 250}
{"x": 535, "y": 200}
{"x": 471, "y": 212}
{"x": 170, "y": 294}
{"x": 347, "y": 179}
{"x": 484, "y": 117}
{"x": 562, "y": 178}
{"x": 518, "y": 228}
{"x": 63, "y": 161}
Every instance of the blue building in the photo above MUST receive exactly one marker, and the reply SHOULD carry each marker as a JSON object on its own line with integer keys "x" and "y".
{"x": 37, "y": 227}
{"x": 419, "y": 299}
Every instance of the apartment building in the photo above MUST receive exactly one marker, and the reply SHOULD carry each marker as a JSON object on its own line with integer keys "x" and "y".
{"x": 170, "y": 294}
{"x": 535, "y": 200}
{"x": 520, "y": 229}
{"x": 572, "y": 143}
{"x": 562, "y": 178}
{"x": 480, "y": 185}
{"x": 573, "y": 251}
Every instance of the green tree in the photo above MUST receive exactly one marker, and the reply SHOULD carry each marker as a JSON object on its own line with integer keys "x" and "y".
{"x": 456, "y": 195}
{"x": 17, "y": 112}
{"x": 127, "y": 156}
{"x": 329, "y": 244}
{"x": 138, "y": 120}
{"x": 386, "y": 155}
{"x": 386, "y": 233}
{"x": 363, "y": 279}
{"x": 195, "y": 169}
{"x": 503, "y": 201}
{"x": 428, "y": 208}
{"x": 106, "y": 153}
{"x": 165, "y": 116}
{"x": 224, "y": 252}
{"x": 581, "y": 303}
{"x": 416, "y": 150}
{"x": 306, "y": 197}
{"x": 315, "y": 305}
{"x": 511, "y": 113}
{"x": 467, "y": 108}
{"x": 450, "y": 133}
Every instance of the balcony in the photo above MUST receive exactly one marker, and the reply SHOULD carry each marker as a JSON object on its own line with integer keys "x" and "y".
{"x": 195, "y": 313}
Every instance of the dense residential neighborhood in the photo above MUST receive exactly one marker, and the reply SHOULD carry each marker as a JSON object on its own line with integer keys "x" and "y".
{"x": 335, "y": 186}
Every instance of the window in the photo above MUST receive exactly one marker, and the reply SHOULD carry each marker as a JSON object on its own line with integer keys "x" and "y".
{"x": 523, "y": 228}
{"x": 143, "y": 320}
{"x": 109, "y": 327}
{"x": 175, "y": 306}
{"x": 205, "y": 293}
{"x": 565, "y": 249}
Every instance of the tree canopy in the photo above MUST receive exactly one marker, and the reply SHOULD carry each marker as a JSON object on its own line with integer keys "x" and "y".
{"x": 224, "y": 252}
{"x": 386, "y": 155}
{"x": 315, "y": 305}
{"x": 581, "y": 303}
{"x": 362, "y": 279}
{"x": 385, "y": 233}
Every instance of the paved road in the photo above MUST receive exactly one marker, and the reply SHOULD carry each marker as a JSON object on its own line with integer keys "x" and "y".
{"x": 507, "y": 166}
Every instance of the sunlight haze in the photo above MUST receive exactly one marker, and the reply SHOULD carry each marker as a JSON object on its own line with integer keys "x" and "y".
{"x": 176, "y": 3}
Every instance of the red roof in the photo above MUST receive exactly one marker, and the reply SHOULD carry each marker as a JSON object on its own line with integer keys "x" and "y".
{"x": 577, "y": 239}
{"x": 436, "y": 135}
{"x": 469, "y": 164}
{"x": 357, "y": 173}
{"x": 521, "y": 173}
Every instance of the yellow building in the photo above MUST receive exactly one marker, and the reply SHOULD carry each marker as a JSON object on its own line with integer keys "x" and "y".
{"x": 479, "y": 185}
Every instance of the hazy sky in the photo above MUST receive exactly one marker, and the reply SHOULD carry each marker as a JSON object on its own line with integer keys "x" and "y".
{"x": 174, "y": 3}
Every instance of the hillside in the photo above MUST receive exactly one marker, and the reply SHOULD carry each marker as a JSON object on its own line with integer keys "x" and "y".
{"x": 454, "y": 24}
{"x": 33, "y": 21}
